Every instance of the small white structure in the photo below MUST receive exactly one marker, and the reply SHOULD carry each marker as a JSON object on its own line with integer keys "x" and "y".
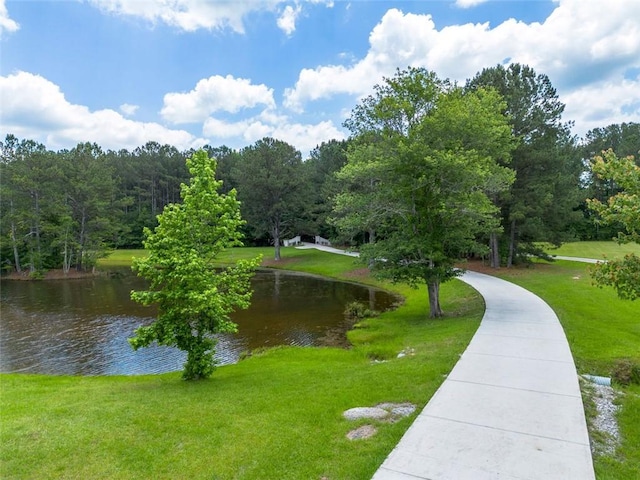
{"x": 292, "y": 241}
{"x": 322, "y": 241}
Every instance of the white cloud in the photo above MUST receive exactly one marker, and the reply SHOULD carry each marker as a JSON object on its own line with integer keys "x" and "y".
{"x": 581, "y": 42}
{"x": 189, "y": 15}
{"x": 35, "y": 108}
{"x": 469, "y": 3}
{"x": 212, "y": 95}
{"x": 128, "y": 109}
{"x": 304, "y": 137}
{"x": 603, "y": 103}
{"x": 287, "y": 21}
{"x": 6, "y": 23}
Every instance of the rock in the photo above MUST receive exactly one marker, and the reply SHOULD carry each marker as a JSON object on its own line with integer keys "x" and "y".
{"x": 403, "y": 410}
{"x": 398, "y": 410}
{"x": 365, "y": 431}
{"x": 366, "y": 412}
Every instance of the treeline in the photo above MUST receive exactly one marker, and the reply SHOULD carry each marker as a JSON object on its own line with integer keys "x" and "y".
{"x": 65, "y": 209}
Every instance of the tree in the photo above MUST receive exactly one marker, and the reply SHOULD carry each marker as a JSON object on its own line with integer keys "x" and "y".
{"x": 624, "y": 209}
{"x": 194, "y": 299}
{"x": 624, "y": 140}
{"x": 425, "y": 156}
{"x": 320, "y": 168}
{"x": 541, "y": 202}
{"x": 90, "y": 195}
{"x": 270, "y": 187}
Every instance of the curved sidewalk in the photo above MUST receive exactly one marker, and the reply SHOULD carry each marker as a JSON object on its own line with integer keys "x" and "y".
{"x": 510, "y": 408}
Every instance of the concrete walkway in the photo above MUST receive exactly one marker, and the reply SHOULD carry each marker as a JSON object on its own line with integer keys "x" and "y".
{"x": 511, "y": 407}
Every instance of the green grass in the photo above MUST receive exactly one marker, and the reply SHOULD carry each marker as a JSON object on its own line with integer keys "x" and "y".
{"x": 597, "y": 250}
{"x": 601, "y": 330}
{"x": 278, "y": 413}
{"x": 275, "y": 415}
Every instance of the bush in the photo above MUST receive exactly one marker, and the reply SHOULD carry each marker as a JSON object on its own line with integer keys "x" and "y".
{"x": 357, "y": 311}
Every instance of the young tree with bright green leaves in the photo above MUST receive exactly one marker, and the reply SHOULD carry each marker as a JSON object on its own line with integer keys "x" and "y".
{"x": 621, "y": 209}
{"x": 194, "y": 298}
{"x": 420, "y": 170}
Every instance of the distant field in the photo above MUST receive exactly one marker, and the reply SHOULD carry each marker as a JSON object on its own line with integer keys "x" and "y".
{"x": 595, "y": 250}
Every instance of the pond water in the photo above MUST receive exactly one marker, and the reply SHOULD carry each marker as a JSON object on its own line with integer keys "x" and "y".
{"x": 80, "y": 327}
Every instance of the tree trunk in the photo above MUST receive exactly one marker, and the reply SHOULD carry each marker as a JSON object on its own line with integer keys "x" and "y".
{"x": 14, "y": 242}
{"x": 276, "y": 242}
{"x": 494, "y": 250}
{"x": 81, "y": 246}
{"x": 434, "y": 300}
{"x": 512, "y": 244}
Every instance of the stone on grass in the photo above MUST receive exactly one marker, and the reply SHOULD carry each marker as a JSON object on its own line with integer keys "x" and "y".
{"x": 365, "y": 431}
{"x": 366, "y": 412}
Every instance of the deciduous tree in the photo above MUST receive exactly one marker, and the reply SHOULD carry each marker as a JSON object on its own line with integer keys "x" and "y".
{"x": 425, "y": 156}
{"x": 194, "y": 299}
{"x": 623, "y": 209}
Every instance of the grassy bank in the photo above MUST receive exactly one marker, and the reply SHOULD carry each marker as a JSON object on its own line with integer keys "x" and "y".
{"x": 597, "y": 250}
{"x": 277, "y": 414}
{"x": 601, "y": 330}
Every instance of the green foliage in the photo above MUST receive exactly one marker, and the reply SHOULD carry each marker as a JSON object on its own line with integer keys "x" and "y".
{"x": 58, "y": 209}
{"x": 277, "y": 415}
{"x": 194, "y": 299}
{"x": 623, "y": 209}
{"x": 541, "y": 202}
{"x": 358, "y": 310}
{"x": 419, "y": 175}
{"x": 270, "y": 189}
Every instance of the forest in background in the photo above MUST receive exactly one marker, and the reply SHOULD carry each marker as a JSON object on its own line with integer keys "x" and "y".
{"x": 64, "y": 209}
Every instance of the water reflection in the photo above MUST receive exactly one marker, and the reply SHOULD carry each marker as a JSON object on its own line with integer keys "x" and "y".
{"x": 81, "y": 326}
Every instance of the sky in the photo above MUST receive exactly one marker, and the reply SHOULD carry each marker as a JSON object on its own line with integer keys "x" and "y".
{"x": 194, "y": 72}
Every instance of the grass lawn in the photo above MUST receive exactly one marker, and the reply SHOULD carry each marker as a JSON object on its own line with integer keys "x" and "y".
{"x": 278, "y": 414}
{"x": 275, "y": 415}
{"x": 597, "y": 250}
{"x": 601, "y": 330}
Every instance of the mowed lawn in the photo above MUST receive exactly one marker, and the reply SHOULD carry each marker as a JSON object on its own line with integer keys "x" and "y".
{"x": 275, "y": 415}
{"x": 278, "y": 414}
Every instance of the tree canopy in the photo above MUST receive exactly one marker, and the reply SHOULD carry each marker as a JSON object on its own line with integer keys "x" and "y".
{"x": 270, "y": 181}
{"x": 424, "y": 157}
{"x": 623, "y": 209}
{"x": 541, "y": 201}
{"x": 194, "y": 299}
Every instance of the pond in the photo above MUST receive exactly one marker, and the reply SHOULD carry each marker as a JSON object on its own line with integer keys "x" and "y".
{"x": 80, "y": 327}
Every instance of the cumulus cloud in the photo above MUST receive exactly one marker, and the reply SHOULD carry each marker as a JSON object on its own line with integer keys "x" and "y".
{"x": 128, "y": 109}
{"x": 604, "y": 103}
{"x": 304, "y": 137}
{"x": 35, "y": 108}
{"x": 469, "y": 3}
{"x": 212, "y": 95}
{"x": 287, "y": 21}
{"x": 188, "y": 15}
{"x": 6, "y": 23}
{"x": 581, "y": 41}
{"x": 191, "y": 15}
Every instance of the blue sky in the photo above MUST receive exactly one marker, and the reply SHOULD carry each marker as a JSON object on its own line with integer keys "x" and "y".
{"x": 192, "y": 72}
